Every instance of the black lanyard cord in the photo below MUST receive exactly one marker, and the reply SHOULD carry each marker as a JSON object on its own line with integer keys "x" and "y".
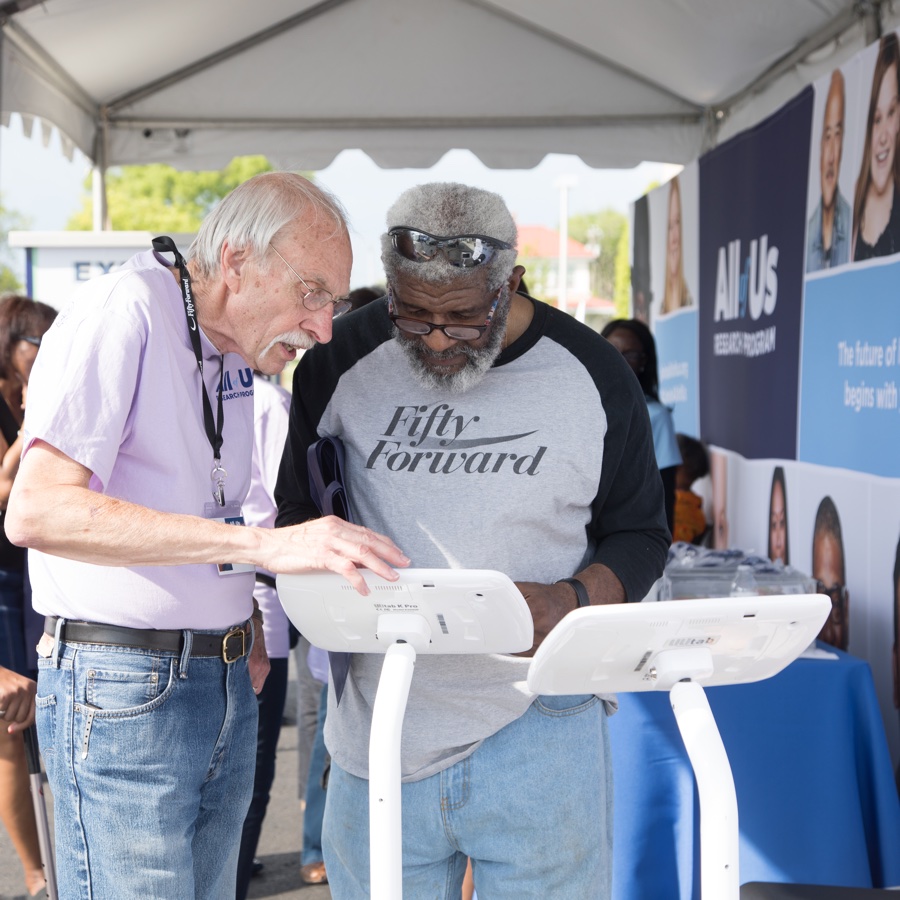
{"x": 213, "y": 427}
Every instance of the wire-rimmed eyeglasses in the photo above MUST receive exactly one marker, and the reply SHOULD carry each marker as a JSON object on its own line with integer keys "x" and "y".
{"x": 316, "y": 298}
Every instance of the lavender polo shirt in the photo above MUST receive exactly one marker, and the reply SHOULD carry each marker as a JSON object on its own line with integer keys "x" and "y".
{"x": 272, "y": 405}
{"x": 116, "y": 388}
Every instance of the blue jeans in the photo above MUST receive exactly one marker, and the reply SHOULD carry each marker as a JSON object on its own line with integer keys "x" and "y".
{"x": 532, "y": 807}
{"x": 150, "y": 758}
{"x": 315, "y": 793}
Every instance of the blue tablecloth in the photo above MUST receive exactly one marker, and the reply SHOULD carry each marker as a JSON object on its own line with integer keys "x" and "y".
{"x": 817, "y": 801}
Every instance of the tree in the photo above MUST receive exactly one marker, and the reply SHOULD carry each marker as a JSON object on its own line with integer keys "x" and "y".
{"x": 10, "y": 220}
{"x": 602, "y": 230}
{"x": 158, "y": 197}
{"x": 622, "y": 295}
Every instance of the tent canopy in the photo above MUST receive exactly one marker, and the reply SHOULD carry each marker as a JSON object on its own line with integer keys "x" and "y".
{"x": 195, "y": 83}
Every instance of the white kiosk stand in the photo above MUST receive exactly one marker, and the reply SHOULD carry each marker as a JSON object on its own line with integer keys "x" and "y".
{"x": 680, "y": 646}
{"x": 426, "y": 611}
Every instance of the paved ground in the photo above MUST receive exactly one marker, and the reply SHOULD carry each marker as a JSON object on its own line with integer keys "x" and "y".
{"x": 279, "y": 845}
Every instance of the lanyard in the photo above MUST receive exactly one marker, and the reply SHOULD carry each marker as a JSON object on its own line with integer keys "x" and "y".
{"x": 213, "y": 427}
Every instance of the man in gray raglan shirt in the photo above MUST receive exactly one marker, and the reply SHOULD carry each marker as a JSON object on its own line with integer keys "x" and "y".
{"x": 482, "y": 429}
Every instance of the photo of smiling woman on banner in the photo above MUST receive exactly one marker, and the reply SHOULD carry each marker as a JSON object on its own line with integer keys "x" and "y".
{"x": 876, "y": 207}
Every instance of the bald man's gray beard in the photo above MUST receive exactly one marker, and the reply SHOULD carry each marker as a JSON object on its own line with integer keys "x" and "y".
{"x": 478, "y": 361}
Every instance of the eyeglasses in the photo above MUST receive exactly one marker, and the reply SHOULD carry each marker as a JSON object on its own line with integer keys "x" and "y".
{"x": 31, "y": 339}
{"x": 316, "y": 298}
{"x": 463, "y": 251}
{"x": 454, "y": 332}
{"x": 634, "y": 356}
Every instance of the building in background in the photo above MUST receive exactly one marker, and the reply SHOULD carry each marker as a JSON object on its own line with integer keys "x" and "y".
{"x": 539, "y": 253}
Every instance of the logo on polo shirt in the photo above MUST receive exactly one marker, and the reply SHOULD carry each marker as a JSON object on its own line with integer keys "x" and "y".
{"x": 239, "y": 384}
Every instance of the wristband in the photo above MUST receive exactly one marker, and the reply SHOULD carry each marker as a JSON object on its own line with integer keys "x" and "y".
{"x": 580, "y": 590}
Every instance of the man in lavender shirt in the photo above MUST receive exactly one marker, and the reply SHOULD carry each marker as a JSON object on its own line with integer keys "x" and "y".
{"x": 137, "y": 448}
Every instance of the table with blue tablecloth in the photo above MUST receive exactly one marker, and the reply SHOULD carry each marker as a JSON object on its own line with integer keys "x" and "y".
{"x": 817, "y": 800}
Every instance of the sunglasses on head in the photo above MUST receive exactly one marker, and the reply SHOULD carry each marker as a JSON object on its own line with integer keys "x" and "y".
{"x": 464, "y": 251}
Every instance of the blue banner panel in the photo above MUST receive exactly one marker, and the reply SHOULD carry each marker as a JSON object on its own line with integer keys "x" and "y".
{"x": 752, "y": 227}
{"x": 850, "y": 374}
{"x": 676, "y": 346}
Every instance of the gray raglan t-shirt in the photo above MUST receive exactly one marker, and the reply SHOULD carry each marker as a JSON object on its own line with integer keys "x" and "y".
{"x": 515, "y": 474}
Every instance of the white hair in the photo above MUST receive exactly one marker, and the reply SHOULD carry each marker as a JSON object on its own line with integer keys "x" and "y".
{"x": 447, "y": 209}
{"x": 255, "y": 211}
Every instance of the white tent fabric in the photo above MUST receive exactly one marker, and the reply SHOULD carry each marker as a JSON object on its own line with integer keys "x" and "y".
{"x": 196, "y": 83}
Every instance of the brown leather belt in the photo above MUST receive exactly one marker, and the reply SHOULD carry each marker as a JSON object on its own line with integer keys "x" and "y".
{"x": 229, "y": 645}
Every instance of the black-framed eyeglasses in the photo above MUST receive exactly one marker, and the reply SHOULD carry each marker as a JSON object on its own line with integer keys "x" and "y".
{"x": 30, "y": 339}
{"x": 465, "y": 251}
{"x": 317, "y": 298}
{"x": 454, "y": 332}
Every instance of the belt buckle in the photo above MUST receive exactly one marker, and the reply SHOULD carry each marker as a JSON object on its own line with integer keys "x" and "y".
{"x": 225, "y": 641}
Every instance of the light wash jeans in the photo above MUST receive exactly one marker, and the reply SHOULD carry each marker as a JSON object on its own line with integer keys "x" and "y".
{"x": 532, "y": 807}
{"x": 150, "y": 757}
{"x": 311, "y": 850}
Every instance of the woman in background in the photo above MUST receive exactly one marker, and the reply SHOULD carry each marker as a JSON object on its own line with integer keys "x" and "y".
{"x": 22, "y": 324}
{"x": 676, "y": 294}
{"x": 635, "y": 342}
{"x": 778, "y": 520}
{"x": 876, "y": 202}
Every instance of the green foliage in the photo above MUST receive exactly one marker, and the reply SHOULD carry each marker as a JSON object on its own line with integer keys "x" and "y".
{"x": 10, "y": 220}
{"x": 158, "y": 197}
{"x": 622, "y": 295}
{"x": 602, "y": 230}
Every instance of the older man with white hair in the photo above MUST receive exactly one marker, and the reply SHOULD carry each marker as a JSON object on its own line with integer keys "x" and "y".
{"x": 137, "y": 455}
{"x": 482, "y": 429}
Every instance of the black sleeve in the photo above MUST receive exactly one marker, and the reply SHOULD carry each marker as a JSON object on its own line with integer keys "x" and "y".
{"x": 316, "y": 379}
{"x": 628, "y": 530}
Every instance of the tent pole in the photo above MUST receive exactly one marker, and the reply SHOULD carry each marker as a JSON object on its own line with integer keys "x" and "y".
{"x": 870, "y": 13}
{"x": 98, "y": 177}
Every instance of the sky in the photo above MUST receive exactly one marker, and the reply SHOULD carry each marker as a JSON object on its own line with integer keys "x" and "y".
{"x": 41, "y": 184}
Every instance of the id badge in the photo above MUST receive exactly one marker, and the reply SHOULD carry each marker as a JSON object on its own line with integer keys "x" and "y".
{"x": 229, "y": 514}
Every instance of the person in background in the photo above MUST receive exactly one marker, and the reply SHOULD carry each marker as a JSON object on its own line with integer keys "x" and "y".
{"x": 876, "y": 201}
{"x": 270, "y": 420}
{"x": 690, "y": 522}
{"x": 360, "y": 296}
{"x": 718, "y": 471}
{"x": 16, "y": 808}
{"x": 312, "y": 858}
{"x": 779, "y": 547}
{"x": 830, "y": 228}
{"x": 634, "y": 341}
{"x": 23, "y": 322}
{"x": 137, "y": 447}
{"x": 830, "y": 574}
{"x": 676, "y": 294}
{"x": 460, "y": 442}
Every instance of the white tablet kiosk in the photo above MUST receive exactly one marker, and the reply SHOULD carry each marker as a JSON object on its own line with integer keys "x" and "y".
{"x": 425, "y": 611}
{"x": 679, "y": 646}
{"x": 435, "y": 610}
